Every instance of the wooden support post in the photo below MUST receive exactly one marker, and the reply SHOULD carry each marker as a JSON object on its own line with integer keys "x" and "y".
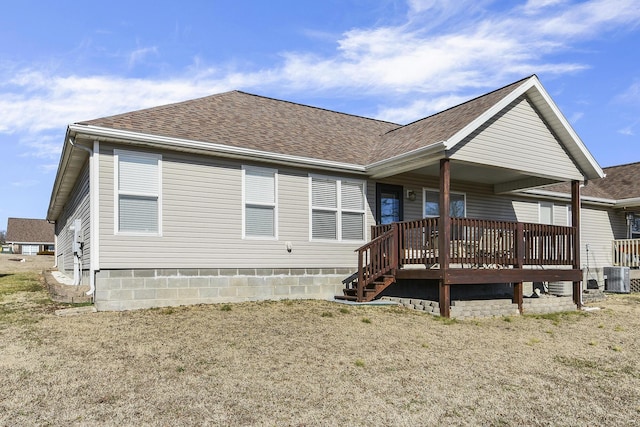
{"x": 444, "y": 237}
{"x": 575, "y": 223}
{"x": 517, "y": 295}
{"x": 519, "y": 247}
{"x": 444, "y": 298}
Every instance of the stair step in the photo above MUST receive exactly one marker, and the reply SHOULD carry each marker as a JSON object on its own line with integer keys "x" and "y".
{"x": 346, "y": 297}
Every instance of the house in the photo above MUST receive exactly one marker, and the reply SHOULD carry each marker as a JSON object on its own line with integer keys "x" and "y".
{"x": 28, "y": 236}
{"x": 237, "y": 197}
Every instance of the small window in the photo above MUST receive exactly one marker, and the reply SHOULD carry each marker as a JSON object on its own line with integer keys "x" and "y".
{"x": 260, "y": 207}
{"x": 138, "y": 178}
{"x": 635, "y": 226}
{"x": 457, "y": 204}
{"x": 546, "y": 213}
{"x": 337, "y": 209}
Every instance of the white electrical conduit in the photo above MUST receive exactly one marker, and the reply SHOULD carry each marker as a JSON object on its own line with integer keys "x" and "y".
{"x": 92, "y": 284}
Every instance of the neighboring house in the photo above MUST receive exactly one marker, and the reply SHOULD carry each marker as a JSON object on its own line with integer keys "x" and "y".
{"x": 30, "y": 236}
{"x": 240, "y": 197}
{"x": 610, "y": 219}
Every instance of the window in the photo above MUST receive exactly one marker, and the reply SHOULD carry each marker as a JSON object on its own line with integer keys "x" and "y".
{"x": 457, "y": 204}
{"x": 546, "y": 213}
{"x": 337, "y": 209}
{"x": 635, "y": 226}
{"x": 554, "y": 214}
{"x": 260, "y": 207}
{"x": 137, "y": 183}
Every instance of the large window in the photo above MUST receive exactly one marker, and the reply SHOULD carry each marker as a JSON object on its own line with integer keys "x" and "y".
{"x": 137, "y": 204}
{"x": 260, "y": 206}
{"x": 457, "y": 204}
{"x": 337, "y": 209}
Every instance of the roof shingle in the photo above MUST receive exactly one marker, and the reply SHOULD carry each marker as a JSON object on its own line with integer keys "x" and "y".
{"x": 621, "y": 182}
{"x": 26, "y": 230}
{"x": 244, "y": 120}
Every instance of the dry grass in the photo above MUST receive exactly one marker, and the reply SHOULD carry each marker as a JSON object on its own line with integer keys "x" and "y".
{"x": 313, "y": 363}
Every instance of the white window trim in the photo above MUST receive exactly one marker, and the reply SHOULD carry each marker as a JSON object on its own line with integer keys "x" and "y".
{"x": 274, "y": 204}
{"x": 338, "y": 209}
{"x": 437, "y": 190}
{"x": 116, "y": 194}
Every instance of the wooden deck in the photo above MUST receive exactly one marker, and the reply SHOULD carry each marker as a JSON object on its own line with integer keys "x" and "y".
{"x": 472, "y": 252}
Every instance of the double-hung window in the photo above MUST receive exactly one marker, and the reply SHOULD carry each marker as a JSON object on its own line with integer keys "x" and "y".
{"x": 553, "y": 214}
{"x": 457, "y": 204}
{"x": 138, "y": 192}
{"x": 337, "y": 209}
{"x": 260, "y": 217}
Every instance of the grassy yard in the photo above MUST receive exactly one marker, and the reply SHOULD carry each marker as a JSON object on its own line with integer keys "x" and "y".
{"x": 312, "y": 363}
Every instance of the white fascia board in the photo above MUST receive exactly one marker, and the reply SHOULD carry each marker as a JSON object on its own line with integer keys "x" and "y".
{"x": 567, "y": 196}
{"x": 101, "y": 133}
{"x": 627, "y": 203}
{"x": 410, "y": 160}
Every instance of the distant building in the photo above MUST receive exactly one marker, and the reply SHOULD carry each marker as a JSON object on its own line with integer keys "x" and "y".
{"x": 29, "y": 236}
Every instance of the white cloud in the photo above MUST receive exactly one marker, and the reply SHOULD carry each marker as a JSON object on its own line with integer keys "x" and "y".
{"x": 575, "y": 117}
{"x": 25, "y": 184}
{"x": 40, "y": 102}
{"x": 630, "y": 96}
{"x": 139, "y": 54}
{"x": 628, "y": 131}
{"x": 483, "y": 50}
{"x": 418, "y": 108}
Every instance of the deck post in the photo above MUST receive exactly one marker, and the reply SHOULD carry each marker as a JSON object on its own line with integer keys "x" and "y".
{"x": 444, "y": 237}
{"x": 575, "y": 223}
{"x": 519, "y": 247}
{"x": 397, "y": 246}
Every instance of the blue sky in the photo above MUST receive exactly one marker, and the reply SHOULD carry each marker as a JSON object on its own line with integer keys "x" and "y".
{"x": 67, "y": 61}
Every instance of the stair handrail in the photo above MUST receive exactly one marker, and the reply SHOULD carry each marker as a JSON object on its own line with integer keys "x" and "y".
{"x": 377, "y": 258}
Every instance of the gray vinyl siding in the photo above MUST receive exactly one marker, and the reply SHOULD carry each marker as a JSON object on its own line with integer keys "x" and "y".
{"x": 600, "y": 226}
{"x": 78, "y": 206}
{"x": 202, "y": 221}
{"x": 481, "y": 202}
{"x": 508, "y": 139}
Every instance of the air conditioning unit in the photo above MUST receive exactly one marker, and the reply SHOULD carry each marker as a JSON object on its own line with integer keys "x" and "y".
{"x": 616, "y": 279}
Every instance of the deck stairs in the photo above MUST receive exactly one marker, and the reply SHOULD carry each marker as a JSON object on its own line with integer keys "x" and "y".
{"x": 370, "y": 291}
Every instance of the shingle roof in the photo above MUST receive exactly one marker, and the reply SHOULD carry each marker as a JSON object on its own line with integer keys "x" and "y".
{"x": 621, "y": 182}
{"x": 250, "y": 121}
{"x": 244, "y": 120}
{"x": 26, "y": 230}
{"x": 440, "y": 126}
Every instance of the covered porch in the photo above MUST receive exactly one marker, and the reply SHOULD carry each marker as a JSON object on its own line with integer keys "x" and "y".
{"x": 468, "y": 251}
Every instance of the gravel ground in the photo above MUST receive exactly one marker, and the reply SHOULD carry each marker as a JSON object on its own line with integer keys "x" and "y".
{"x": 303, "y": 363}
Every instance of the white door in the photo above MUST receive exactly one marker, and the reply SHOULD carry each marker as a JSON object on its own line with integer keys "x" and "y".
{"x": 30, "y": 249}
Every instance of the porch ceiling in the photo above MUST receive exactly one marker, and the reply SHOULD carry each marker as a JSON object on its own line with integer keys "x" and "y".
{"x": 503, "y": 179}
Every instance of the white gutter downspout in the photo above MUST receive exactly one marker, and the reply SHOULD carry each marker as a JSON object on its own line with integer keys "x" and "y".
{"x": 92, "y": 207}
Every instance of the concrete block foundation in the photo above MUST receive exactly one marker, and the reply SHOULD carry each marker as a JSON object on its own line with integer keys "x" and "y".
{"x": 118, "y": 290}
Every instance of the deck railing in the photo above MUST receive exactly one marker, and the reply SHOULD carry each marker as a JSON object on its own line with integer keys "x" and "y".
{"x": 477, "y": 242}
{"x": 626, "y": 253}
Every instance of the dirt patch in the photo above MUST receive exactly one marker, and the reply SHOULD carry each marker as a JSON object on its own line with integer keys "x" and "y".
{"x": 12, "y": 263}
{"x": 315, "y": 363}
